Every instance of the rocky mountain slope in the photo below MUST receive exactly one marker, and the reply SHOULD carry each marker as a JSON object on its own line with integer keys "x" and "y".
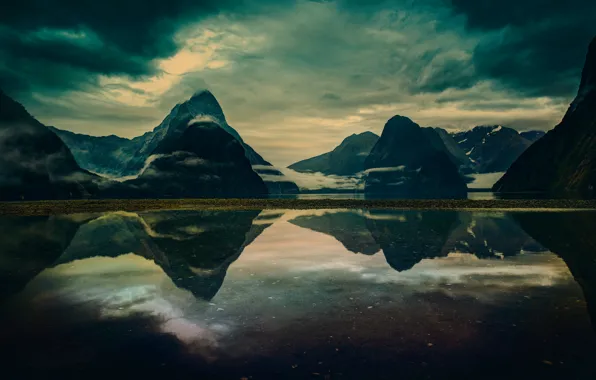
{"x": 492, "y": 148}
{"x": 563, "y": 162}
{"x": 203, "y": 161}
{"x": 443, "y": 141}
{"x": 34, "y": 162}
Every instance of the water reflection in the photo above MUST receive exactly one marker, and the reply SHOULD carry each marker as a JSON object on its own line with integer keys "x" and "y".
{"x": 301, "y": 294}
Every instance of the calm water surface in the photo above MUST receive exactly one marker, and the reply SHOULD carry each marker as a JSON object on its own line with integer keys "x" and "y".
{"x": 323, "y": 294}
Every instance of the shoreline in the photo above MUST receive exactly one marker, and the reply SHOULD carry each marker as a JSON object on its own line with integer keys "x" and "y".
{"x": 54, "y": 207}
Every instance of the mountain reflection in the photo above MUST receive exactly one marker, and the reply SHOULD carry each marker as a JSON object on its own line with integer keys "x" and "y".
{"x": 407, "y": 237}
{"x": 29, "y": 245}
{"x": 285, "y": 294}
{"x": 570, "y": 235}
{"x": 195, "y": 248}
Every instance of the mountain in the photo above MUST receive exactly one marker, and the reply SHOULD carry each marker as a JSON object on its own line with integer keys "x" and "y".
{"x": 203, "y": 161}
{"x": 443, "y": 141}
{"x": 123, "y": 157}
{"x": 346, "y": 159}
{"x": 532, "y": 136}
{"x": 34, "y": 162}
{"x": 104, "y": 154}
{"x": 404, "y": 163}
{"x": 563, "y": 162}
{"x": 492, "y": 148}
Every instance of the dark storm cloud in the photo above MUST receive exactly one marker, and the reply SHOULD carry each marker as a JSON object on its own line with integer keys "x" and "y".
{"x": 61, "y": 44}
{"x": 535, "y": 46}
{"x": 287, "y": 70}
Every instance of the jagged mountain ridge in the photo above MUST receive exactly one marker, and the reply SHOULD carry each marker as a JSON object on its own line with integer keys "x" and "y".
{"x": 491, "y": 148}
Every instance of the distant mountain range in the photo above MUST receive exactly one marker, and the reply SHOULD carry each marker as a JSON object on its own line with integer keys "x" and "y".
{"x": 483, "y": 149}
{"x": 563, "y": 162}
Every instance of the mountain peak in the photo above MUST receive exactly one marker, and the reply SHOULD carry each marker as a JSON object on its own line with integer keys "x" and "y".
{"x": 588, "y": 81}
{"x": 203, "y": 102}
{"x": 399, "y": 123}
{"x": 202, "y": 94}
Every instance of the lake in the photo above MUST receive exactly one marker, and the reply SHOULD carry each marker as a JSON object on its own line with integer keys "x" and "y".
{"x": 300, "y": 294}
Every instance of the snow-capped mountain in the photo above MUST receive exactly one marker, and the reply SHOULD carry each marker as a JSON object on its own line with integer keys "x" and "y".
{"x": 491, "y": 148}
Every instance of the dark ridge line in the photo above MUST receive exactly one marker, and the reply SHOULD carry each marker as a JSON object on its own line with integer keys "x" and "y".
{"x": 85, "y": 206}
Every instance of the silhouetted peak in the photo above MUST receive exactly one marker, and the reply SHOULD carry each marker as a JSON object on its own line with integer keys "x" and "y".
{"x": 399, "y": 123}
{"x": 588, "y": 81}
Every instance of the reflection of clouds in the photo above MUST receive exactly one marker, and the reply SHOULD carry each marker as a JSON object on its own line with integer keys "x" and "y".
{"x": 291, "y": 276}
{"x": 122, "y": 287}
{"x": 285, "y": 250}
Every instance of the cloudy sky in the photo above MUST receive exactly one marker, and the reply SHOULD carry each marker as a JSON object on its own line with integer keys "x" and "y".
{"x": 295, "y": 77}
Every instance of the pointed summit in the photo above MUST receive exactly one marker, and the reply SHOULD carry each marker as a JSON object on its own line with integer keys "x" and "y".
{"x": 203, "y": 102}
{"x": 129, "y": 157}
{"x": 589, "y": 71}
{"x": 587, "y": 86}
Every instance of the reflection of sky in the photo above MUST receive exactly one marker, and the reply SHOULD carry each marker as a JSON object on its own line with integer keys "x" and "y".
{"x": 287, "y": 252}
{"x": 291, "y": 276}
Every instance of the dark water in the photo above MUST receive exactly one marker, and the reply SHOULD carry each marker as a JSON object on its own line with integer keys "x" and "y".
{"x": 325, "y": 294}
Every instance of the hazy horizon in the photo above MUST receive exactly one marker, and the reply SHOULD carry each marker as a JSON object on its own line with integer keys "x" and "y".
{"x": 294, "y": 78}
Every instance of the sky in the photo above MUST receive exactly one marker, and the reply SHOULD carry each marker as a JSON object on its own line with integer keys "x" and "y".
{"x": 295, "y": 77}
